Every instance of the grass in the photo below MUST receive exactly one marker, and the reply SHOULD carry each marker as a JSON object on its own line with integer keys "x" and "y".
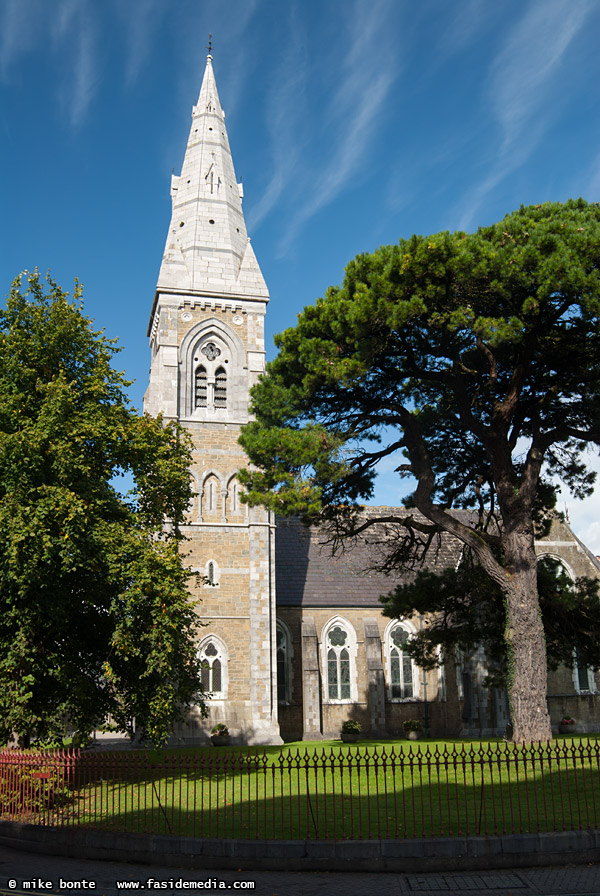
{"x": 326, "y": 790}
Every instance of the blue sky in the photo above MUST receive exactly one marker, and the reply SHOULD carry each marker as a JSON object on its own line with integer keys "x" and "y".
{"x": 352, "y": 123}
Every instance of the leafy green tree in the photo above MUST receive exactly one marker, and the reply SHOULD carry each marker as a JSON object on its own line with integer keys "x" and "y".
{"x": 465, "y": 608}
{"x": 476, "y": 357}
{"x": 96, "y": 617}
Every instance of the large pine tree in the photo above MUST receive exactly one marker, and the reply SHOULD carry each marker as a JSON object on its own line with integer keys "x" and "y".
{"x": 477, "y": 358}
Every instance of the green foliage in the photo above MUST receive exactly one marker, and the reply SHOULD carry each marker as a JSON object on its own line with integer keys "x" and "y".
{"x": 470, "y": 361}
{"x": 351, "y": 726}
{"x": 96, "y": 618}
{"x": 465, "y": 609}
{"x": 219, "y": 730}
{"x": 412, "y": 725}
{"x": 476, "y": 355}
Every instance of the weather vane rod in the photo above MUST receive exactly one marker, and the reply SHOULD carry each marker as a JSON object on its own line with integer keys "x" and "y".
{"x": 209, "y": 47}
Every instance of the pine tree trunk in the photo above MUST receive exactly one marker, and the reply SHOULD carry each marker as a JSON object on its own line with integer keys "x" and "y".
{"x": 526, "y": 646}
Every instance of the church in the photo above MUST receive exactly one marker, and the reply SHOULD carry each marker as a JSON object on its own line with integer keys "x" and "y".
{"x": 294, "y": 641}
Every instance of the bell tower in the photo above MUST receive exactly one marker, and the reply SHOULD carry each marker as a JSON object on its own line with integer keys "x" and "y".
{"x": 207, "y": 342}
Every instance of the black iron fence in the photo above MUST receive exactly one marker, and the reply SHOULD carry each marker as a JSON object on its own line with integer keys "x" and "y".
{"x": 330, "y": 794}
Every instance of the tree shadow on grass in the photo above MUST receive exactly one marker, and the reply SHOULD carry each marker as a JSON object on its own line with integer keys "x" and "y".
{"x": 346, "y": 793}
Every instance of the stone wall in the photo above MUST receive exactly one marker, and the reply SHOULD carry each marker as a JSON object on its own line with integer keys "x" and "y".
{"x": 373, "y": 707}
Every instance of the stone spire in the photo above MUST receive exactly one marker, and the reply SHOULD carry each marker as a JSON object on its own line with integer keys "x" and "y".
{"x": 208, "y": 251}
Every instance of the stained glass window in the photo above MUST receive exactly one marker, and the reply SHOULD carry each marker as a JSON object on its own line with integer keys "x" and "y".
{"x": 401, "y": 666}
{"x": 338, "y": 664}
{"x": 212, "y": 669}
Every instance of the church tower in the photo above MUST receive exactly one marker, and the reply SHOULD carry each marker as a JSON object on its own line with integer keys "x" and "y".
{"x": 207, "y": 342}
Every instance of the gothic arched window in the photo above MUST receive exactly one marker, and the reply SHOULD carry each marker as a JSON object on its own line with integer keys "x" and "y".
{"x": 211, "y": 574}
{"x": 210, "y": 495}
{"x": 220, "y": 388}
{"x": 200, "y": 388}
{"x": 213, "y": 669}
{"x": 339, "y": 661}
{"x": 401, "y": 668}
{"x": 283, "y": 665}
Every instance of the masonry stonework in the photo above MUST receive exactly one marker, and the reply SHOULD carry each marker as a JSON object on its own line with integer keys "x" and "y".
{"x": 207, "y": 341}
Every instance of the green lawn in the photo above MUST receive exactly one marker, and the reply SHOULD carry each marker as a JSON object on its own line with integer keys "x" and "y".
{"x": 327, "y": 790}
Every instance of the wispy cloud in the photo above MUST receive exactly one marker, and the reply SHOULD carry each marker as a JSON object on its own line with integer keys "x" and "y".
{"x": 592, "y": 190}
{"x": 65, "y": 30}
{"x": 521, "y": 72}
{"x": 74, "y": 26}
{"x": 350, "y": 153}
{"x": 20, "y": 27}
{"x": 141, "y": 20}
{"x": 519, "y": 87}
{"x": 464, "y": 24}
{"x": 285, "y": 121}
{"x": 312, "y": 168}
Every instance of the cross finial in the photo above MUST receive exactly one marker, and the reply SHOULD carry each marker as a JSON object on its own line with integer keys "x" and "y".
{"x": 209, "y": 47}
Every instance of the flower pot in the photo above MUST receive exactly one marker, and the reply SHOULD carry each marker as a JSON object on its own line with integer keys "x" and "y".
{"x": 565, "y": 728}
{"x": 414, "y": 735}
{"x": 349, "y": 737}
{"x": 219, "y": 740}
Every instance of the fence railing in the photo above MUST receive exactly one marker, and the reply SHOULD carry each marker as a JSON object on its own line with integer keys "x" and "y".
{"x": 333, "y": 794}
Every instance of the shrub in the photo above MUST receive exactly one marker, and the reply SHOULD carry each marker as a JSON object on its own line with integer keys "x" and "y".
{"x": 351, "y": 726}
{"x": 412, "y": 725}
{"x": 220, "y": 730}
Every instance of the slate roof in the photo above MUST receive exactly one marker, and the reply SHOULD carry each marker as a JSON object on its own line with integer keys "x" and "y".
{"x": 307, "y": 575}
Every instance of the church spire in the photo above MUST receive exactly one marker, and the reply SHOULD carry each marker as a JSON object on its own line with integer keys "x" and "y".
{"x": 207, "y": 250}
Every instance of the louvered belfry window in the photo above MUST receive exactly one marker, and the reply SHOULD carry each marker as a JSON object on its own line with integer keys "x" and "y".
{"x": 220, "y": 388}
{"x": 201, "y": 388}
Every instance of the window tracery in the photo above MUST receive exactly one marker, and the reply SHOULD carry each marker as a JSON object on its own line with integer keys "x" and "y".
{"x": 402, "y": 671}
{"x": 213, "y": 373}
{"x": 339, "y": 661}
{"x": 213, "y": 658}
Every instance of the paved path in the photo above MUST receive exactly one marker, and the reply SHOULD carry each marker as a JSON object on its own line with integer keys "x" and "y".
{"x": 44, "y": 874}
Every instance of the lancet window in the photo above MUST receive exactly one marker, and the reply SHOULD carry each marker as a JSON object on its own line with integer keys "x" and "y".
{"x": 283, "y": 664}
{"x": 213, "y": 669}
{"x": 220, "y": 388}
{"x": 339, "y": 655}
{"x": 401, "y": 668}
{"x": 201, "y": 388}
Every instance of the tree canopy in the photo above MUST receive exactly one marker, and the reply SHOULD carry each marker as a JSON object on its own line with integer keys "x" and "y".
{"x": 465, "y": 609}
{"x": 476, "y": 358}
{"x": 96, "y": 617}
